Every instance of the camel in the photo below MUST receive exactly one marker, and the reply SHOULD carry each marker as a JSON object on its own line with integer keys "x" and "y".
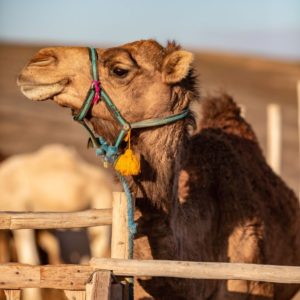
{"x": 55, "y": 179}
{"x": 203, "y": 194}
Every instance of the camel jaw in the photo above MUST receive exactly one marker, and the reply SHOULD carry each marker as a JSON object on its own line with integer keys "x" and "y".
{"x": 40, "y": 91}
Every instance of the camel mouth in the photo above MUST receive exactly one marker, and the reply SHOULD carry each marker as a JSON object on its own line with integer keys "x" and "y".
{"x": 41, "y": 91}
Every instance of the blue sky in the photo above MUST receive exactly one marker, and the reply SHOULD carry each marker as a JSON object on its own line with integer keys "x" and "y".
{"x": 263, "y": 27}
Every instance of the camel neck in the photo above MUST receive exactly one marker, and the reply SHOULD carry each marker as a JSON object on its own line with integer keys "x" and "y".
{"x": 161, "y": 152}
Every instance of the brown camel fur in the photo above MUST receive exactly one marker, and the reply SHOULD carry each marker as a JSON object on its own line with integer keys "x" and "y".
{"x": 229, "y": 206}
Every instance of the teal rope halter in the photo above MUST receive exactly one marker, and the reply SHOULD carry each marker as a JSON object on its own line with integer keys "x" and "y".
{"x": 109, "y": 153}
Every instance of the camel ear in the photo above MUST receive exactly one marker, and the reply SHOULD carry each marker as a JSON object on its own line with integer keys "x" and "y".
{"x": 176, "y": 66}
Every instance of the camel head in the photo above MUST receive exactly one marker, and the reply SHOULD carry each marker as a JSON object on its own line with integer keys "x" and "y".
{"x": 142, "y": 78}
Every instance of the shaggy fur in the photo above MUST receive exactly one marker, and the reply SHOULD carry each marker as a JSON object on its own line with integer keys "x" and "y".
{"x": 209, "y": 196}
{"x": 231, "y": 207}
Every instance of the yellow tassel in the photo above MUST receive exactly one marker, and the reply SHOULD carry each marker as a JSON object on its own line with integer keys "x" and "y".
{"x": 128, "y": 163}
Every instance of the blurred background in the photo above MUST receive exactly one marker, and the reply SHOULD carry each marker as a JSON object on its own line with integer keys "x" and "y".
{"x": 250, "y": 49}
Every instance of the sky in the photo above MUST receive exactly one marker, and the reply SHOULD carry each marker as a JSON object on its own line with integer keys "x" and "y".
{"x": 261, "y": 27}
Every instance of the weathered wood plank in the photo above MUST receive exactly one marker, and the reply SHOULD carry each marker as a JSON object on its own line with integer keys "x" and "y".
{"x": 12, "y": 294}
{"x": 47, "y": 220}
{"x": 74, "y": 277}
{"x": 16, "y": 276}
{"x": 66, "y": 277}
{"x": 75, "y": 295}
{"x": 119, "y": 238}
{"x": 99, "y": 287}
{"x": 199, "y": 270}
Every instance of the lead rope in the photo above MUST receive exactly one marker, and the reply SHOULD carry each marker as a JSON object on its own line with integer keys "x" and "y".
{"x": 130, "y": 214}
{"x": 131, "y": 227}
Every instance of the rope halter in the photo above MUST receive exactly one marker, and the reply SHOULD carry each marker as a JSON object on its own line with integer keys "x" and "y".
{"x": 96, "y": 93}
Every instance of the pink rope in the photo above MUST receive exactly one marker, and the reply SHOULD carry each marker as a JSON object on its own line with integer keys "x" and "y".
{"x": 96, "y": 85}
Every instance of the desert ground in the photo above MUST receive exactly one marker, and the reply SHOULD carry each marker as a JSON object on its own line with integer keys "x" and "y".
{"x": 254, "y": 82}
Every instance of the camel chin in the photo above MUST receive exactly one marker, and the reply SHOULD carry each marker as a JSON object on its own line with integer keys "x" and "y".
{"x": 41, "y": 92}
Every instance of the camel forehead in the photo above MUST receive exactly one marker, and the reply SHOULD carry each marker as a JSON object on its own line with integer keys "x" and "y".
{"x": 145, "y": 46}
{"x": 144, "y": 52}
{"x": 147, "y": 52}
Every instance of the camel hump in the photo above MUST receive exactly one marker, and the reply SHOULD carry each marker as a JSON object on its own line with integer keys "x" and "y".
{"x": 222, "y": 112}
{"x": 219, "y": 107}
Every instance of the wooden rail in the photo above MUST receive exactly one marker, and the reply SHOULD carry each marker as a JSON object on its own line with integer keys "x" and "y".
{"x": 48, "y": 220}
{"x": 198, "y": 270}
{"x": 65, "y": 277}
{"x": 75, "y": 277}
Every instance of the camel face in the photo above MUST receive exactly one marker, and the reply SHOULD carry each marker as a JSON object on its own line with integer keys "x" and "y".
{"x": 60, "y": 74}
{"x": 137, "y": 77}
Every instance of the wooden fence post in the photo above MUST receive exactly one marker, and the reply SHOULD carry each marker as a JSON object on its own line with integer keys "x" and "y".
{"x": 274, "y": 137}
{"x": 99, "y": 287}
{"x": 119, "y": 240}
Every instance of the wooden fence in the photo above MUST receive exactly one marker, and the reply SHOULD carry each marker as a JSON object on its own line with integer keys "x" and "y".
{"x": 95, "y": 281}
{"x": 78, "y": 281}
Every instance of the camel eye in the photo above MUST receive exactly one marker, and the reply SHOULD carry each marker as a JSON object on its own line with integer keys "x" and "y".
{"x": 120, "y": 72}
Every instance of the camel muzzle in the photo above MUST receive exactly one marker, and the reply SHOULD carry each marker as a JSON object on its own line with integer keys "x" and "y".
{"x": 40, "y": 91}
{"x": 30, "y": 78}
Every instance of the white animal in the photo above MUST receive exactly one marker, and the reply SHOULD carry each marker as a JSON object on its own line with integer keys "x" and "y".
{"x": 53, "y": 179}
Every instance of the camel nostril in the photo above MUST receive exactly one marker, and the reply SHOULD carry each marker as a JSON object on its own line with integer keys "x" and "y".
{"x": 23, "y": 79}
{"x": 42, "y": 61}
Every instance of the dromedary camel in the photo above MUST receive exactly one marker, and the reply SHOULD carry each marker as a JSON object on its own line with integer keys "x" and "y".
{"x": 56, "y": 179}
{"x": 230, "y": 206}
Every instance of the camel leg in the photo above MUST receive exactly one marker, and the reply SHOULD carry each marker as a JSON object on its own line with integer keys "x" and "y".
{"x": 49, "y": 243}
{"x": 100, "y": 240}
{"x": 28, "y": 254}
